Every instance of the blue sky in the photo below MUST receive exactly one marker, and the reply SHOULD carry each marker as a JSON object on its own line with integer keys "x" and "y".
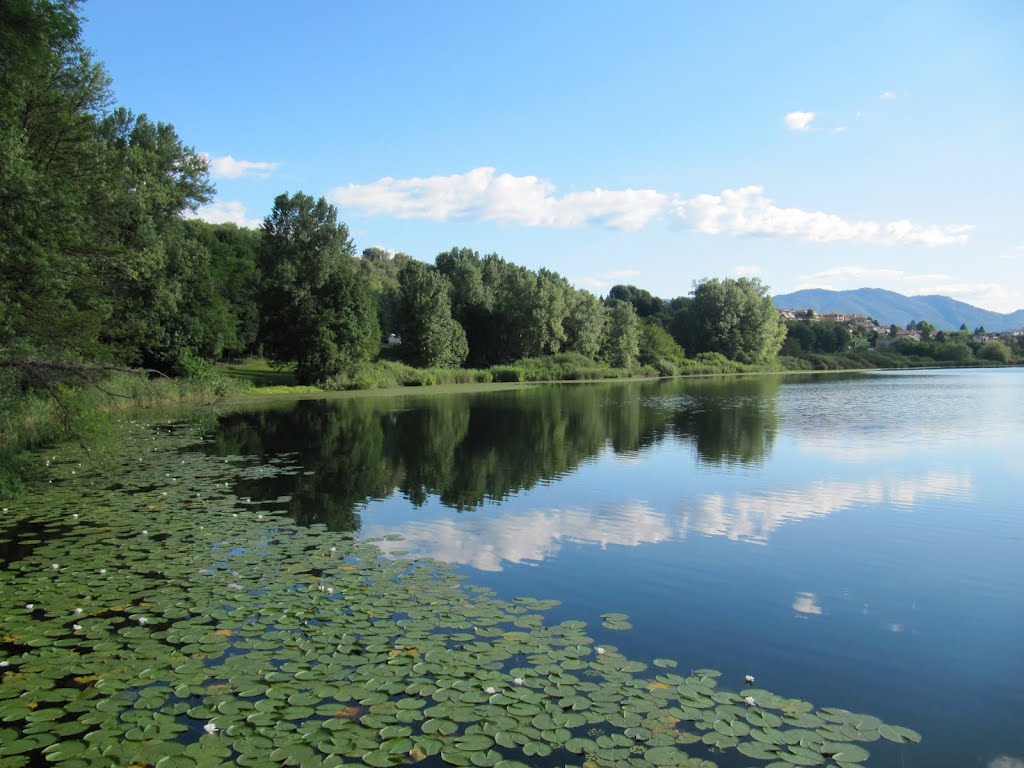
{"x": 811, "y": 144}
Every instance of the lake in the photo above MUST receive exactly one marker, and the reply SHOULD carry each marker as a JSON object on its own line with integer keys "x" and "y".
{"x": 851, "y": 540}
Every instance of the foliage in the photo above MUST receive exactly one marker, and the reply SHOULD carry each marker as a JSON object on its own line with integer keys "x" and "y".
{"x": 317, "y": 306}
{"x": 584, "y": 324}
{"x": 818, "y": 336}
{"x": 621, "y": 343}
{"x": 658, "y": 348}
{"x": 643, "y": 302}
{"x": 431, "y": 337}
{"x": 737, "y": 318}
{"x": 996, "y": 351}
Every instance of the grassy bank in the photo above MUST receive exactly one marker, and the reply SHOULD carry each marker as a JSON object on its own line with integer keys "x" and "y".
{"x": 85, "y": 414}
{"x": 389, "y": 374}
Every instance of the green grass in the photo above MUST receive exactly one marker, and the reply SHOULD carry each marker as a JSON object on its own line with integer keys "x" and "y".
{"x": 259, "y": 373}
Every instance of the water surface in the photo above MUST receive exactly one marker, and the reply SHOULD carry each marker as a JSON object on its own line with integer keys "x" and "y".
{"x": 849, "y": 539}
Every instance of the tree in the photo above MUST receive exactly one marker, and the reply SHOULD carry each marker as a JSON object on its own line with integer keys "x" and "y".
{"x": 643, "y": 301}
{"x": 658, "y": 348}
{"x": 996, "y": 351}
{"x": 621, "y": 344}
{"x": 472, "y": 301}
{"x": 90, "y": 204}
{"x": 318, "y": 309}
{"x": 584, "y": 324}
{"x": 736, "y": 317}
{"x": 431, "y": 337}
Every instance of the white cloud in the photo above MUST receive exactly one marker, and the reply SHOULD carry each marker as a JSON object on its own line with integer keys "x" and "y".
{"x": 887, "y": 95}
{"x": 839, "y": 129}
{"x": 482, "y": 194}
{"x": 1015, "y": 255}
{"x": 227, "y": 212}
{"x": 746, "y": 211}
{"x": 799, "y": 121}
{"x": 485, "y": 195}
{"x": 227, "y": 167}
{"x": 608, "y": 279}
{"x": 747, "y": 270}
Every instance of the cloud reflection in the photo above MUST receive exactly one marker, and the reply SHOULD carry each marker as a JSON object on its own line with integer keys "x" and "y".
{"x": 486, "y": 541}
{"x": 807, "y": 603}
{"x": 753, "y": 517}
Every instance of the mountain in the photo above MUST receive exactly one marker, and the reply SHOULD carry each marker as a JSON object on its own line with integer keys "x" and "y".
{"x": 888, "y": 307}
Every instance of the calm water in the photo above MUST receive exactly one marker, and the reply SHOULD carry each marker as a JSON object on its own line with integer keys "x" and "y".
{"x": 857, "y": 541}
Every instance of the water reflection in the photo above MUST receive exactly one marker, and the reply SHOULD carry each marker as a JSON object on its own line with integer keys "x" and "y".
{"x": 467, "y": 450}
{"x": 488, "y": 541}
{"x": 806, "y": 604}
{"x": 754, "y": 516}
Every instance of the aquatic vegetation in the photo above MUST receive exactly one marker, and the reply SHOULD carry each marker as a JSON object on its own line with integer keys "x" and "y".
{"x": 225, "y": 634}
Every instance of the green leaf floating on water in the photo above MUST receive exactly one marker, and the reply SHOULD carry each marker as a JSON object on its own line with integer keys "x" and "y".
{"x": 185, "y": 626}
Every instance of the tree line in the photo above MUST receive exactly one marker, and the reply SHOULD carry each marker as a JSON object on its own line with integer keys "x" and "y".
{"x": 103, "y": 263}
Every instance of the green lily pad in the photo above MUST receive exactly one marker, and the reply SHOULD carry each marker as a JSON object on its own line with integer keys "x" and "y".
{"x": 665, "y": 756}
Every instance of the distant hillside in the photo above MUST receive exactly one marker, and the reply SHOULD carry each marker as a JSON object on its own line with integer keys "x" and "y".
{"x": 888, "y": 307}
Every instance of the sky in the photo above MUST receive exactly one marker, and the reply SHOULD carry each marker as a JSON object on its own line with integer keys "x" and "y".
{"x": 808, "y": 144}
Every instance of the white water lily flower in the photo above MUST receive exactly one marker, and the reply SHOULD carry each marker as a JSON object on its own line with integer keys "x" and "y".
{"x": 5, "y": 663}
{"x": 78, "y": 611}
{"x": 55, "y": 566}
{"x": 517, "y": 681}
{"x": 599, "y": 650}
{"x": 750, "y": 701}
{"x": 29, "y": 606}
{"x": 143, "y": 620}
{"x": 145, "y": 533}
{"x": 102, "y": 571}
{"x": 749, "y": 679}
{"x": 76, "y": 627}
{"x": 74, "y": 515}
{"x": 210, "y": 728}
{"x": 490, "y": 689}
{"x": 330, "y": 590}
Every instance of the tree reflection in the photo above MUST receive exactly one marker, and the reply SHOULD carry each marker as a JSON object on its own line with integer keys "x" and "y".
{"x": 468, "y": 449}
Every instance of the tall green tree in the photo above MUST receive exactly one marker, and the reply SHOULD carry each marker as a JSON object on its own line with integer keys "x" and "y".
{"x": 52, "y": 95}
{"x": 735, "y": 317}
{"x": 472, "y": 302}
{"x": 643, "y": 301}
{"x": 318, "y": 308}
{"x": 160, "y": 272}
{"x": 584, "y": 324}
{"x": 431, "y": 337}
{"x": 90, "y": 200}
{"x": 621, "y": 344}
